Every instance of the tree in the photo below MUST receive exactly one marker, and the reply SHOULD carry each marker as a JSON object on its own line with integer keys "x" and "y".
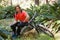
{"x": 47, "y": 2}
{"x": 0, "y": 1}
{"x": 11, "y": 2}
{"x": 4, "y": 3}
{"x": 37, "y": 2}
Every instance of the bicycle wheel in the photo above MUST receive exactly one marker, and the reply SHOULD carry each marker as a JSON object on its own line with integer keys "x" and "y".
{"x": 25, "y": 29}
{"x": 45, "y": 31}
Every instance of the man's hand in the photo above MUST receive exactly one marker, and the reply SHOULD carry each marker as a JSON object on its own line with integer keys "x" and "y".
{"x": 13, "y": 23}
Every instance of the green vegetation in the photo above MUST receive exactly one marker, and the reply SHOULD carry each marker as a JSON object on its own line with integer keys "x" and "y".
{"x": 6, "y": 12}
{"x": 4, "y": 25}
{"x": 45, "y": 13}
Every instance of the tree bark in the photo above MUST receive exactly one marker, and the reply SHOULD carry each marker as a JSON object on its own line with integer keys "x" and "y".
{"x": 37, "y": 2}
{"x": 47, "y": 2}
{"x": 11, "y": 2}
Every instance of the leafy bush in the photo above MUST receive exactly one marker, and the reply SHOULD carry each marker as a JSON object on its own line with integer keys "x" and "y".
{"x": 43, "y": 12}
{"x": 7, "y": 12}
{"x": 1, "y": 13}
{"x": 46, "y": 12}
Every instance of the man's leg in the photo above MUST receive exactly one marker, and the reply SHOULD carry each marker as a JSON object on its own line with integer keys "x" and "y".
{"x": 13, "y": 27}
{"x": 20, "y": 26}
{"x": 18, "y": 30}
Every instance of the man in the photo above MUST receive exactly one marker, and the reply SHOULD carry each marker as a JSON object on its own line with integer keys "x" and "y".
{"x": 21, "y": 20}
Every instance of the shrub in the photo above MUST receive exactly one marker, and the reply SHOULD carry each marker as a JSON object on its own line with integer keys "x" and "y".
{"x": 1, "y": 12}
{"x": 46, "y": 12}
{"x": 9, "y": 11}
{"x": 43, "y": 12}
{"x": 6, "y": 12}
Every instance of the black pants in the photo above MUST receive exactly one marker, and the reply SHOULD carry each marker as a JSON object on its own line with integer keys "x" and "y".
{"x": 19, "y": 26}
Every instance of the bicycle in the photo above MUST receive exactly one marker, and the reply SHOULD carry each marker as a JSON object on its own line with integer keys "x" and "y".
{"x": 38, "y": 27}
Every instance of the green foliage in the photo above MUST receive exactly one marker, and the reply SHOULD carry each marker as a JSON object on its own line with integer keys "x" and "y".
{"x": 1, "y": 12}
{"x": 4, "y": 32}
{"x": 43, "y": 12}
{"x": 46, "y": 12}
{"x": 7, "y": 12}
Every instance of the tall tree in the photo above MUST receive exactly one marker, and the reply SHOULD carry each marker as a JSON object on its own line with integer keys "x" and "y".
{"x": 37, "y": 2}
{"x": 47, "y": 2}
{"x": 0, "y": 0}
{"x": 11, "y": 2}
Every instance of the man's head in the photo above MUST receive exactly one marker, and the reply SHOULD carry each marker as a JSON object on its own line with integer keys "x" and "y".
{"x": 18, "y": 8}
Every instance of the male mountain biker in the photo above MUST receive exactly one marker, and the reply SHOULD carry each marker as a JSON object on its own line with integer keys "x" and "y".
{"x": 21, "y": 20}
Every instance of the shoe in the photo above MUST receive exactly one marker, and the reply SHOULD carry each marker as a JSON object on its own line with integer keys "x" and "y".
{"x": 14, "y": 36}
{"x": 18, "y": 35}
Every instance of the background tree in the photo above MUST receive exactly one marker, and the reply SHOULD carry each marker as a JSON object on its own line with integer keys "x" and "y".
{"x": 0, "y": 1}
{"x": 4, "y": 2}
{"x": 11, "y": 2}
{"x": 37, "y": 2}
{"x": 47, "y": 1}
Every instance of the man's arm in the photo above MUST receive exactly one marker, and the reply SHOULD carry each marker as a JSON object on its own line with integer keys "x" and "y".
{"x": 27, "y": 17}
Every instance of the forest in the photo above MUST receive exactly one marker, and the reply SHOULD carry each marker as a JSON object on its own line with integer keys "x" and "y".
{"x": 44, "y": 19}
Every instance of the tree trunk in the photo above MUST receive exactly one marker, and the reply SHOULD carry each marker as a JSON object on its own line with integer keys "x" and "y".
{"x": 37, "y": 2}
{"x": 0, "y": 1}
{"x": 47, "y": 2}
{"x": 11, "y": 2}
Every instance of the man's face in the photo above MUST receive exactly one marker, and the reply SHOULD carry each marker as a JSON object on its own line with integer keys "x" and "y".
{"x": 17, "y": 9}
